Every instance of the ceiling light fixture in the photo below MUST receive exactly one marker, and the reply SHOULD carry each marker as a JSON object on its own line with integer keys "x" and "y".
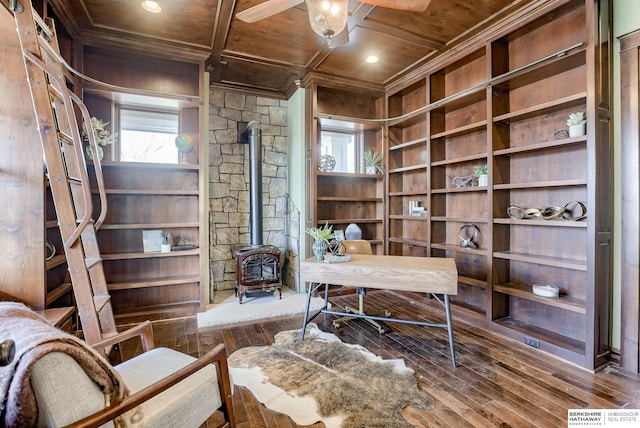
{"x": 328, "y": 17}
{"x": 372, "y": 59}
{"x": 151, "y": 6}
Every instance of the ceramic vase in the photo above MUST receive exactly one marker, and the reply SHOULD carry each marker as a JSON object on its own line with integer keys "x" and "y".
{"x": 483, "y": 180}
{"x": 319, "y": 249}
{"x": 353, "y": 232}
{"x": 577, "y": 130}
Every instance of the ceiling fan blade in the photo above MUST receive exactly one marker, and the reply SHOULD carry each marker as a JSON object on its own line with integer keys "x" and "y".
{"x": 412, "y": 5}
{"x": 266, "y": 9}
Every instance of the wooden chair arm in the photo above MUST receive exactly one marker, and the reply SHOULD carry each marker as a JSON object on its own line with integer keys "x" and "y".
{"x": 217, "y": 355}
{"x": 144, "y": 330}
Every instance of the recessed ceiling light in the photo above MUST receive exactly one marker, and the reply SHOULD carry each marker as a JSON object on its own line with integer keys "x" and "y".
{"x": 151, "y": 6}
{"x": 372, "y": 59}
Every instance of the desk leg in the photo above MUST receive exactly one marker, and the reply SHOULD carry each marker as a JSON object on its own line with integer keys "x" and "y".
{"x": 447, "y": 309}
{"x": 306, "y": 309}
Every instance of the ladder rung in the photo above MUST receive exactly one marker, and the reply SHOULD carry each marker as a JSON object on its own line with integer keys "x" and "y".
{"x": 91, "y": 262}
{"x": 65, "y": 138}
{"x": 100, "y": 301}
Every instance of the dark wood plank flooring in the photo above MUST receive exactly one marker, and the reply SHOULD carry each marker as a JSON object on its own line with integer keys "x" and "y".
{"x": 497, "y": 381}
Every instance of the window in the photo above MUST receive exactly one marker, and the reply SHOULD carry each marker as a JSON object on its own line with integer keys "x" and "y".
{"x": 148, "y": 136}
{"x": 342, "y": 145}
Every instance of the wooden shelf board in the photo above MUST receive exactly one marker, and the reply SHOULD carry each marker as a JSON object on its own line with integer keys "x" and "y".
{"x": 551, "y": 67}
{"x": 408, "y": 217}
{"x": 57, "y": 316}
{"x": 409, "y": 241}
{"x": 350, "y": 175}
{"x": 460, "y": 189}
{"x": 50, "y": 224}
{"x": 457, "y": 248}
{"x": 123, "y": 256}
{"x": 58, "y": 292}
{"x": 469, "y": 308}
{"x": 541, "y": 223}
{"x": 540, "y": 109}
{"x": 400, "y": 146}
{"x": 351, "y": 220}
{"x": 579, "y": 265}
{"x": 461, "y": 130}
{"x": 546, "y": 145}
{"x": 472, "y": 281}
{"x": 469, "y": 158}
{"x": 410, "y": 119}
{"x": 148, "y": 226}
{"x": 524, "y": 292}
{"x": 459, "y": 219}
{"x": 175, "y": 280}
{"x": 411, "y": 193}
{"x": 459, "y": 100}
{"x": 151, "y": 192}
{"x": 554, "y": 183}
{"x": 347, "y": 199}
{"x": 408, "y": 168}
{"x": 55, "y": 261}
{"x": 568, "y": 343}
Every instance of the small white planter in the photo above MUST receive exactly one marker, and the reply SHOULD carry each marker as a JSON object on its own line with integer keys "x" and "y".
{"x": 370, "y": 169}
{"x": 165, "y": 248}
{"x": 577, "y": 130}
{"x": 483, "y": 180}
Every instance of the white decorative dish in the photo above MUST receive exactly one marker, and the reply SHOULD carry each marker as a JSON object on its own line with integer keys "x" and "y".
{"x": 546, "y": 290}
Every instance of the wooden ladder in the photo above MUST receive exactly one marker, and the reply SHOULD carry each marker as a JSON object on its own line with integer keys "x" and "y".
{"x": 59, "y": 115}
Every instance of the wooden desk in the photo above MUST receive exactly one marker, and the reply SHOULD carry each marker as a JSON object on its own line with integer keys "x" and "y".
{"x": 420, "y": 274}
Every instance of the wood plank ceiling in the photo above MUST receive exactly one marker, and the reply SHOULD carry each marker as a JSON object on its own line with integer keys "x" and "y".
{"x": 269, "y": 56}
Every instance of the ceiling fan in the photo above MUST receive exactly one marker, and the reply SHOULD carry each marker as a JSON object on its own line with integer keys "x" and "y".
{"x": 328, "y": 18}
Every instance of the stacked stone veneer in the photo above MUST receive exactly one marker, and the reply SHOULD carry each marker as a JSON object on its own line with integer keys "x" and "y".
{"x": 229, "y": 183}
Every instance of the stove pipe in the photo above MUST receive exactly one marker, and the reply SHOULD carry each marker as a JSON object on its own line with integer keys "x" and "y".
{"x": 254, "y": 138}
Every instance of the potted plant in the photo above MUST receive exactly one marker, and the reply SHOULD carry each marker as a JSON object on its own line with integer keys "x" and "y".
{"x": 101, "y": 134}
{"x": 321, "y": 236}
{"x": 165, "y": 247}
{"x": 372, "y": 162}
{"x": 482, "y": 173}
{"x": 577, "y": 123}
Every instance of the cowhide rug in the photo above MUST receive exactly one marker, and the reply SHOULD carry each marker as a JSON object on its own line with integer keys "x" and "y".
{"x": 323, "y": 379}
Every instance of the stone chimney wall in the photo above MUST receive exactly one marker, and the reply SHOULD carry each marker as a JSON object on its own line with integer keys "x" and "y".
{"x": 229, "y": 181}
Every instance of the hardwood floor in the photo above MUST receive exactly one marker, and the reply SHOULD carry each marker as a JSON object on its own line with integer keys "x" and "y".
{"x": 497, "y": 382}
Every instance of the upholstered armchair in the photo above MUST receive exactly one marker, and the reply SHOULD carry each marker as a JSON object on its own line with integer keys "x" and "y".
{"x": 61, "y": 381}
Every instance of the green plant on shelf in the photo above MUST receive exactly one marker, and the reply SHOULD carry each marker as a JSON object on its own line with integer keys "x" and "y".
{"x": 321, "y": 234}
{"x": 165, "y": 238}
{"x": 480, "y": 170}
{"x": 372, "y": 161}
{"x": 577, "y": 118}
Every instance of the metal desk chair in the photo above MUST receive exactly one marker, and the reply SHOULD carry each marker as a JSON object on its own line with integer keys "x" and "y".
{"x": 361, "y": 246}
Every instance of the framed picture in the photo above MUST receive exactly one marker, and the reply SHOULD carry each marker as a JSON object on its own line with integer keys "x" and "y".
{"x": 151, "y": 240}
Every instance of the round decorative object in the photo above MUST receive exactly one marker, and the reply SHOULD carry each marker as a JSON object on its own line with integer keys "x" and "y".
{"x": 546, "y": 290}
{"x": 353, "y": 232}
{"x": 467, "y": 234}
{"x": 51, "y": 251}
{"x": 326, "y": 163}
{"x": 184, "y": 143}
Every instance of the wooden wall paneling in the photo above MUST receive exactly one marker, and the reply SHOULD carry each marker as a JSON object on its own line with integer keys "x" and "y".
{"x": 22, "y": 237}
{"x": 630, "y": 275}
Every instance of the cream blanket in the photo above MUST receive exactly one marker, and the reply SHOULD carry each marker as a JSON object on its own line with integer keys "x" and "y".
{"x": 34, "y": 338}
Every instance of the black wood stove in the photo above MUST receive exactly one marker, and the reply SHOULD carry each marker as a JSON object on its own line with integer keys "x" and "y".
{"x": 257, "y": 265}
